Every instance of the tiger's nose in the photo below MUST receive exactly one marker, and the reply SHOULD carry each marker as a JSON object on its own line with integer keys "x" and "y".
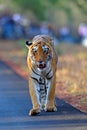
{"x": 40, "y": 61}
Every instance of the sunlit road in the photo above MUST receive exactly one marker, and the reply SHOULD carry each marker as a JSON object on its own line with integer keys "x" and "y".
{"x": 15, "y": 104}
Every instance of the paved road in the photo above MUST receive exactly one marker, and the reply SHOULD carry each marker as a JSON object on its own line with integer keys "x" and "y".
{"x": 15, "y": 104}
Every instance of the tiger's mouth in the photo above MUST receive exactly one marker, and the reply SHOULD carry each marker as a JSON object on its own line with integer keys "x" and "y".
{"x": 41, "y": 66}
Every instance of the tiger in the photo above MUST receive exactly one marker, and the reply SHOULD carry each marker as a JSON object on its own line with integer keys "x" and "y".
{"x": 42, "y": 65}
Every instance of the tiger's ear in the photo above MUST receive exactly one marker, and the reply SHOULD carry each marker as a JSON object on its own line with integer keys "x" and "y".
{"x": 28, "y": 43}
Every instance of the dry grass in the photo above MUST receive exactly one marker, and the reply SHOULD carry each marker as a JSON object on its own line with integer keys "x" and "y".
{"x": 72, "y": 77}
{"x": 73, "y": 72}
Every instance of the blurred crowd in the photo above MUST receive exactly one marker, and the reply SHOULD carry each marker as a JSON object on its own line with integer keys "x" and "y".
{"x": 12, "y": 26}
{"x": 16, "y": 26}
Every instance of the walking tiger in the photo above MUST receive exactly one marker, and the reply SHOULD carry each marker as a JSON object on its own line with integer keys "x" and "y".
{"x": 42, "y": 64}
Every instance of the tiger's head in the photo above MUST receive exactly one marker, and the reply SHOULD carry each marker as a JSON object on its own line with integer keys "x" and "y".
{"x": 40, "y": 51}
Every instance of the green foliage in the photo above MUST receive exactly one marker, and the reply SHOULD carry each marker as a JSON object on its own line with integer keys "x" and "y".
{"x": 34, "y": 5}
{"x": 53, "y": 1}
{"x": 59, "y": 12}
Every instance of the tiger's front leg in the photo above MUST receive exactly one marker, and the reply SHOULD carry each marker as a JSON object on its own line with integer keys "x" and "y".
{"x": 36, "y": 107}
{"x": 50, "y": 100}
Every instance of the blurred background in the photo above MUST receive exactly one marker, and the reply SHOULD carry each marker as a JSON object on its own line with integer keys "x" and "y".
{"x": 66, "y": 22}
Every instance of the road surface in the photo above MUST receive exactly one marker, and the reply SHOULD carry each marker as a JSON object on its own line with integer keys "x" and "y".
{"x": 15, "y": 104}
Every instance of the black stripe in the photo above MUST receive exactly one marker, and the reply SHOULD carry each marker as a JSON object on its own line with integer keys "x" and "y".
{"x": 38, "y": 90}
{"x": 50, "y": 77}
{"x": 42, "y": 96}
{"x": 48, "y": 73}
{"x": 41, "y": 83}
{"x": 41, "y": 89}
{"x": 35, "y": 72}
{"x": 34, "y": 78}
{"x": 42, "y": 92}
{"x": 37, "y": 81}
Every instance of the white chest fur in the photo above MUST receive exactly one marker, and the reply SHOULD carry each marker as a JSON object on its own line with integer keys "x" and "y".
{"x": 42, "y": 85}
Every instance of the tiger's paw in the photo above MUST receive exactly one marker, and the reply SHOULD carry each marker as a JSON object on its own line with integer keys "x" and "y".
{"x": 50, "y": 109}
{"x": 34, "y": 112}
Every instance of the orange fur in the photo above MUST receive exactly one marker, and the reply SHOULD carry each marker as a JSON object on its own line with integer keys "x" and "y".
{"x": 40, "y": 55}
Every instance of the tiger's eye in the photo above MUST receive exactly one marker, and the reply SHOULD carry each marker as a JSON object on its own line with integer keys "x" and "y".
{"x": 46, "y": 50}
{"x": 34, "y": 51}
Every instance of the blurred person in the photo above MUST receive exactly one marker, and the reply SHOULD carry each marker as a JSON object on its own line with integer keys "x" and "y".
{"x": 7, "y": 27}
{"x": 82, "y": 31}
{"x": 44, "y": 28}
{"x": 32, "y": 30}
{"x": 64, "y": 32}
{"x": 18, "y": 31}
{"x": 65, "y": 35}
